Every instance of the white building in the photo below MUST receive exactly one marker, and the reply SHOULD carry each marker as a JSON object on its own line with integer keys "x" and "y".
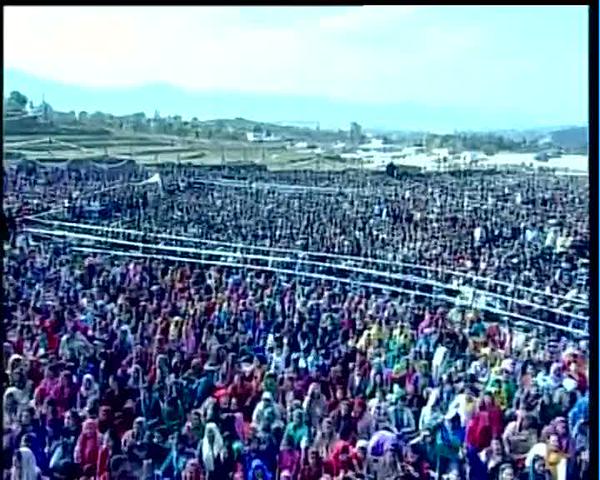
{"x": 469, "y": 158}
{"x": 261, "y": 137}
{"x": 374, "y": 145}
{"x": 441, "y": 152}
{"x": 410, "y": 151}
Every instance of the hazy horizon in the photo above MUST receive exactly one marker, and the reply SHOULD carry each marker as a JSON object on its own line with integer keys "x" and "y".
{"x": 439, "y": 68}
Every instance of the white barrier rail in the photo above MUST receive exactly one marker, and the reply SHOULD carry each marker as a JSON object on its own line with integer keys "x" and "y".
{"x": 270, "y": 259}
{"x": 313, "y": 253}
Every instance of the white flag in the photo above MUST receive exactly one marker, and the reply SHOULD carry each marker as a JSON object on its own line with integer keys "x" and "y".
{"x": 153, "y": 179}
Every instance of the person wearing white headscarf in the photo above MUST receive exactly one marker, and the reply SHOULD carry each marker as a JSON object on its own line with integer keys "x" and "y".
{"x": 212, "y": 450}
{"x": 24, "y": 465}
{"x": 314, "y": 405}
{"x": 11, "y": 401}
{"x": 265, "y": 403}
{"x": 88, "y": 391}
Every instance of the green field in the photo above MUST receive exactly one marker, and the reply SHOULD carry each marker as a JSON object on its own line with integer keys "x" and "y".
{"x": 148, "y": 148}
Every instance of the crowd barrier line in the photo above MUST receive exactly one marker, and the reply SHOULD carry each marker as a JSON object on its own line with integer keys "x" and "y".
{"x": 378, "y": 286}
{"x": 316, "y": 254}
{"x": 387, "y": 275}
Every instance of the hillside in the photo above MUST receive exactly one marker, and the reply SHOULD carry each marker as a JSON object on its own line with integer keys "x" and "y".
{"x": 572, "y": 139}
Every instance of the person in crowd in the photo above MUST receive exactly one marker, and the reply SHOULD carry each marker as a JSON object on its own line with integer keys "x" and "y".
{"x": 128, "y": 364}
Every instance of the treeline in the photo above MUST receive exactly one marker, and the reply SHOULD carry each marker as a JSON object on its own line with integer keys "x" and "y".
{"x": 488, "y": 143}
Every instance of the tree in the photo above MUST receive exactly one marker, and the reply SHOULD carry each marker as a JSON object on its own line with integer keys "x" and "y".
{"x": 18, "y": 99}
{"x": 391, "y": 170}
{"x": 490, "y": 149}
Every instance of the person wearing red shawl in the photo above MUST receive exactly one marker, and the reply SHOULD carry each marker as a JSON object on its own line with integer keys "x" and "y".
{"x": 496, "y": 337}
{"x": 105, "y": 418}
{"x": 49, "y": 383}
{"x": 341, "y": 460}
{"x": 242, "y": 392}
{"x": 339, "y": 397}
{"x": 485, "y": 424}
{"x": 110, "y": 448}
{"x": 50, "y": 327}
{"x": 65, "y": 393}
{"x": 88, "y": 445}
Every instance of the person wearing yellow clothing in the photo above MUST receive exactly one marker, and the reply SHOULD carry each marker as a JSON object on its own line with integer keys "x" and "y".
{"x": 555, "y": 459}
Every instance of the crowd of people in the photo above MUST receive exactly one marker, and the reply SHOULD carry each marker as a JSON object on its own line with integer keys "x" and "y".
{"x": 528, "y": 230}
{"x": 124, "y": 367}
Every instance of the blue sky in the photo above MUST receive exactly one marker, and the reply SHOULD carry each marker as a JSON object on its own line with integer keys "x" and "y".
{"x": 531, "y": 61}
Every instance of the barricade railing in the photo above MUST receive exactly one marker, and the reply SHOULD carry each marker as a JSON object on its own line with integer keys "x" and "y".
{"x": 301, "y": 265}
{"x": 380, "y": 263}
{"x": 579, "y": 333}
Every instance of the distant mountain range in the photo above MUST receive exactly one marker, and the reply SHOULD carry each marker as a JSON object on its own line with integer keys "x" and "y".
{"x": 206, "y": 105}
{"x": 571, "y": 138}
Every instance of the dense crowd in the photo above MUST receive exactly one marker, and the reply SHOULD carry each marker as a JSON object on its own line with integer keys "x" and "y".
{"x": 530, "y": 230}
{"x": 121, "y": 368}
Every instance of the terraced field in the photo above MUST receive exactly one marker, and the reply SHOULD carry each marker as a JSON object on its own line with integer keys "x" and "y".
{"x": 151, "y": 149}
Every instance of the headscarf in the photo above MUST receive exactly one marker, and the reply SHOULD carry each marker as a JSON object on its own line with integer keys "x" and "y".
{"x": 92, "y": 391}
{"x": 533, "y": 475}
{"x": 136, "y": 369}
{"x": 259, "y": 465}
{"x": 428, "y": 409}
{"x": 129, "y": 341}
{"x": 462, "y": 405}
{"x": 209, "y": 453}
{"x": 339, "y": 465}
{"x": 9, "y": 409}
{"x": 552, "y": 429}
{"x": 14, "y": 358}
{"x": 28, "y": 469}
{"x": 193, "y": 468}
{"x": 381, "y": 441}
{"x": 88, "y": 443}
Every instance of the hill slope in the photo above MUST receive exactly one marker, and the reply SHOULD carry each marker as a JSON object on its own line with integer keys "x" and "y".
{"x": 572, "y": 139}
